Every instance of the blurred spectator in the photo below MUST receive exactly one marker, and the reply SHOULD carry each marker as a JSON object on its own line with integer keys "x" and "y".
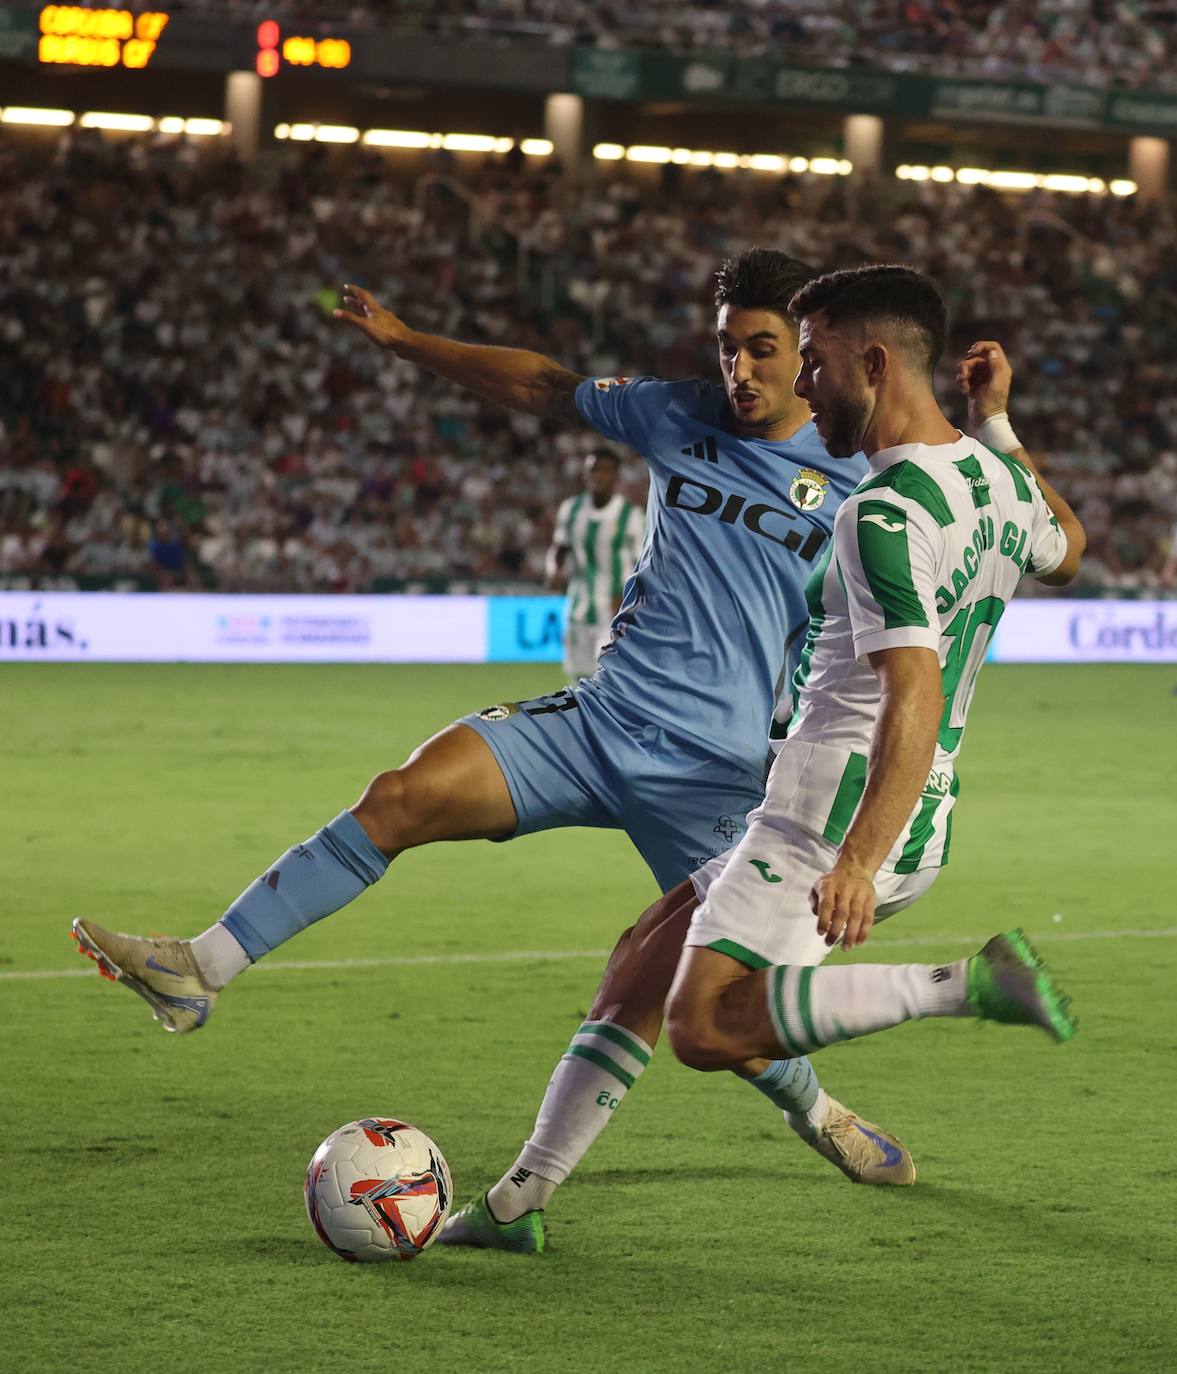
{"x": 1089, "y": 42}
{"x": 177, "y": 408}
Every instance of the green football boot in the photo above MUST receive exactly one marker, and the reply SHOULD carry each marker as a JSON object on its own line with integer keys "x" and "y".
{"x": 1009, "y": 983}
{"x": 475, "y": 1225}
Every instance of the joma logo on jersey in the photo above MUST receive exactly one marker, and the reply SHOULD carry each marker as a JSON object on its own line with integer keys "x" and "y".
{"x": 697, "y": 498}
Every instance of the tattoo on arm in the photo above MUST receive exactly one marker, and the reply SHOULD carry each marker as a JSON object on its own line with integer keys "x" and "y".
{"x": 560, "y": 387}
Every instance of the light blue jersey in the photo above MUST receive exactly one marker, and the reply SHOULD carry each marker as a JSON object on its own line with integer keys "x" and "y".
{"x": 668, "y": 741}
{"x": 712, "y": 621}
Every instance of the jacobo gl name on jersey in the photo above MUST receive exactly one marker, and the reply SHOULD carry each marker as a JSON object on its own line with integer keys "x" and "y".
{"x": 1012, "y": 545}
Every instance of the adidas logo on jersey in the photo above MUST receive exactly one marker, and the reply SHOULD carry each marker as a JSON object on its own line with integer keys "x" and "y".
{"x": 705, "y": 450}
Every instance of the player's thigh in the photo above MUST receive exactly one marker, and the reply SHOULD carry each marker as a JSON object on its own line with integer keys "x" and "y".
{"x": 756, "y": 906}
{"x": 450, "y": 788}
{"x": 641, "y": 967}
{"x": 551, "y": 752}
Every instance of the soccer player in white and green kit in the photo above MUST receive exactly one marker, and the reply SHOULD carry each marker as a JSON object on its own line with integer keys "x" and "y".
{"x": 857, "y": 817}
{"x": 595, "y": 546}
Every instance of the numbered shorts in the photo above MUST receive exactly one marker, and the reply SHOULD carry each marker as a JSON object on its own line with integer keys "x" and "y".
{"x": 754, "y": 900}
{"x": 582, "y": 648}
{"x": 572, "y": 758}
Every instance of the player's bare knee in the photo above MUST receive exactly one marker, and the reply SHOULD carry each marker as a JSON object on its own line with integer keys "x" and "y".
{"x": 697, "y": 1040}
{"x": 386, "y": 812}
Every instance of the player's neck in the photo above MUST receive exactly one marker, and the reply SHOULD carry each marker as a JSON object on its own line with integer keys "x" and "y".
{"x": 908, "y": 421}
{"x": 600, "y": 502}
{"x": 779, "y": 430}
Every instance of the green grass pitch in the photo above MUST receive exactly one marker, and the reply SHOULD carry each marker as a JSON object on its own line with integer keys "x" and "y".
{"x": 151, "y": 1215}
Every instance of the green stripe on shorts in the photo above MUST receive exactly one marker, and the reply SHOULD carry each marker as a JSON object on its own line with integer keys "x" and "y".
{"x": 846, "y": 800}
{"x": 738, "y": 952}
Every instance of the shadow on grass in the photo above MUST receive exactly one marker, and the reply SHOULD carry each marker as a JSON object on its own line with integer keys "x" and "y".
{"x": 691, "y": 1173}
{"x": 1053, "y": 1227}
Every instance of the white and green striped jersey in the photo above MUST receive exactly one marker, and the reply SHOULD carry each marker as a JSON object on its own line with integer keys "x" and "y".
{"x": 927, "y": 551}
{"x": 603, "y": 544}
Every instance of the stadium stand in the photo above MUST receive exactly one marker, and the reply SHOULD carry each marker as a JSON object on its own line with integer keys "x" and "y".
{"x": 1091, "y": 42}
{"x": 179, "y": 410}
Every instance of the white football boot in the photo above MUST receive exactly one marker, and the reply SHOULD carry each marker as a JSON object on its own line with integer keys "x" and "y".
{"x": 161, "y": 970}
{"x": 864, "y": 1152}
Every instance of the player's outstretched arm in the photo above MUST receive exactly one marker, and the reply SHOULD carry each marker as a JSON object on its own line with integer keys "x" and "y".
{"x": 511, "y": 377}
{"x": 985, "y": 376}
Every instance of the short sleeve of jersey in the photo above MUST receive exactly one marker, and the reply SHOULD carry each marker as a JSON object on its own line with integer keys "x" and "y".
{"x": 623, "y": 408}
{"x": 887, "y": 553}
{"x": 1048, "y": 544}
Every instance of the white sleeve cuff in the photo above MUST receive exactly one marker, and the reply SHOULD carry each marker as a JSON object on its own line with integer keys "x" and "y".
{"x": 901, "y": 637}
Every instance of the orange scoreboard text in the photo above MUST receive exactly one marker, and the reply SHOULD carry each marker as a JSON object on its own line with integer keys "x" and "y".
{"x": 274, "y": 51}
{"x": 77, "y": 37}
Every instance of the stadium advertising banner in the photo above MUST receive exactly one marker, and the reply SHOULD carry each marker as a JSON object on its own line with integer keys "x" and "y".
{"x": 134, "y": 627}
{"x": 114, "y": 627}
{"x": 1063, "y": 631}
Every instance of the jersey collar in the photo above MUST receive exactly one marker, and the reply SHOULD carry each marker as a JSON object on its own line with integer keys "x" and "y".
{"x": 901, "y": 453}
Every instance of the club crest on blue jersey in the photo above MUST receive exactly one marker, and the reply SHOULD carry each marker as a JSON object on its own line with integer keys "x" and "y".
{"x": 504, "y": 711}
{"x": 808, "y": 490}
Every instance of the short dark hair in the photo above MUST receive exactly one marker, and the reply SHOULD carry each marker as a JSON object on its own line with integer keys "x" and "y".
{"x": 898, "y": 295}
{"x": 601, "y": 454}
{"x": 761, "y": 279}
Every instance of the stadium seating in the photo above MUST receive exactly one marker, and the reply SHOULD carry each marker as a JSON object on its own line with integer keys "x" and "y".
{"x": 178, "y": 409}
{"x": 1051, "y": 40}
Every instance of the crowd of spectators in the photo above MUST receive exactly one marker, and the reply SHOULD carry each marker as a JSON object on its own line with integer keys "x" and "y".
{"x": 1090, "y": 42}
{"x": 178, "y": 407}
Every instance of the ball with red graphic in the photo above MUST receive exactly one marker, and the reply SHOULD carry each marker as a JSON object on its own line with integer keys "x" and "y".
{"x": 378, "y": 1189}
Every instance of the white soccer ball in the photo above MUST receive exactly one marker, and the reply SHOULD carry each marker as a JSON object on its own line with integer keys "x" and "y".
{"x": 378, "y": 1189}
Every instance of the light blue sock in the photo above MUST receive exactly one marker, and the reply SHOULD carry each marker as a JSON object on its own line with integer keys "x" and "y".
{"x": 307, "y": 883}
{"x": 789, "y": 1084}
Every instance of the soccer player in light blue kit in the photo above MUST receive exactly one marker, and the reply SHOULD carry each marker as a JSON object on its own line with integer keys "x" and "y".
{"x": 666, "y": 742}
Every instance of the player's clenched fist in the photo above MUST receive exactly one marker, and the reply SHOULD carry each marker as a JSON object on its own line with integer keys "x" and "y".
{"x": 985, "y": 376}
{"x": 359, "y": 309}
{"x": 844, "y": 904}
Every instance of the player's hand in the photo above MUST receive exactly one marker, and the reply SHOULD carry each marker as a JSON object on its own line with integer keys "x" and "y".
{"x": 985, "y": 377}
{"x": 844, "y": 903}
{"x": 359, "y": 309}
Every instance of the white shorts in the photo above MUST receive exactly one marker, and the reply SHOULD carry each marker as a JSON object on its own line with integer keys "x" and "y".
{"x": 755, "y": 898}
{"x": 582, "y": 648}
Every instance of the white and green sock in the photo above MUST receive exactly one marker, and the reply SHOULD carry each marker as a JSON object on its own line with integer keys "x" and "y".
{"x": 599, "y": 1067}
{"x": 812, "y": 1007}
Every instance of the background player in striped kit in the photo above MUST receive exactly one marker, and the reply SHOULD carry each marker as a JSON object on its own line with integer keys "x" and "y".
{"x": 857, "y": 816}
{"x": 594, "y": 548}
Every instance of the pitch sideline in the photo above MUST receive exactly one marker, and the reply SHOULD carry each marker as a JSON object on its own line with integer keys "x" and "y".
{"x": 526, "y": 955}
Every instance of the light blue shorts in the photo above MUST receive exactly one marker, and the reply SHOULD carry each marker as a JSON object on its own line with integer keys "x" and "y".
{"x": 573, "y": 758}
